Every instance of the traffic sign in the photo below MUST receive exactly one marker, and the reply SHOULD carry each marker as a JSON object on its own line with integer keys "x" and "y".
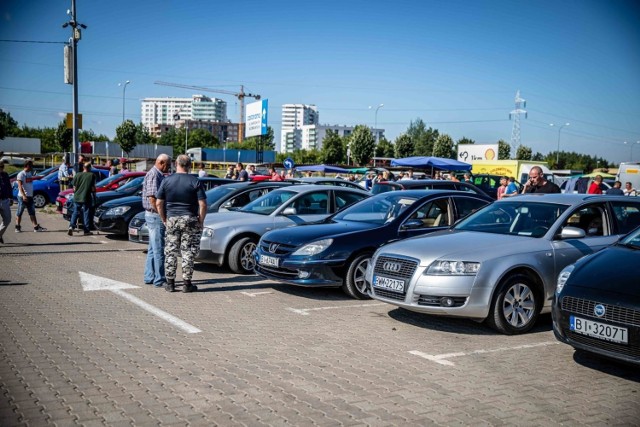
{"x": 288, "y": 163}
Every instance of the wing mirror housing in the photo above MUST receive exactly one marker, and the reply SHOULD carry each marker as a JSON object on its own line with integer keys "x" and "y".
{"x": 289, "y": 211}
{"x": 572, "y": 233}
{"x": 412, "y": 224}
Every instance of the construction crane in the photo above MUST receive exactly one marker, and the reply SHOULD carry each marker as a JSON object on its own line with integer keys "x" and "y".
{"x": 240, "y": 95}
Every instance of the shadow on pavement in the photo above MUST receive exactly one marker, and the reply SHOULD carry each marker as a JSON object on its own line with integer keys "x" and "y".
{"x": 10, "y": 283}
{"x": 607, "y": 366}
{"x": 320, "y": 294}
{"x": 459, "y": 325}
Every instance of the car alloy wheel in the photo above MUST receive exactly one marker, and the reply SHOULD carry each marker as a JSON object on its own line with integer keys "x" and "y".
{"x": 241, "y": 256}
{"x": 515, "y": 307}
{"x": 39, "y": 200}
{"x": 355, "y": 285}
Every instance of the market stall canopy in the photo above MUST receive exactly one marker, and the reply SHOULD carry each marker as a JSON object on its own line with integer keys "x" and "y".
{"x": 602, "y": 174}
{"x": 322, "y": 168}
{"x": 422, "y": 162}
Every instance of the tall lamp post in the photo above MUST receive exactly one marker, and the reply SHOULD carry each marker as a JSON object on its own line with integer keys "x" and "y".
{"x": 631, "y": 145}
{"x": 375, "y": 125}
{"x": 124, "y": 88}
{"x": 558, "y": 152}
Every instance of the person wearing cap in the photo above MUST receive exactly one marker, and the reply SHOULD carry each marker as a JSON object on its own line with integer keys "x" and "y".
{"x": 25, "y": 197}
{"x": 5, "y": 200}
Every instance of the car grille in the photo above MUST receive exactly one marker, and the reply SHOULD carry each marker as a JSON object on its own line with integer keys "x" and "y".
{"x": 280, "y": 248}
{"x": 137, "y": 222}
{"x": 434, "y": 301}
{"x": 633, "y": 349}
{"x": 406, "y": 270}
{"x": 385, "y": 293}
{"x": 613, "y": 313}
{"x": 282, "y": 273}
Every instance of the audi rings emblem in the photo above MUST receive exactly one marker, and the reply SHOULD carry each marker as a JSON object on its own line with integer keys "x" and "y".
{"x": 273, "y": 247}
{"x": 599, "y": 310}
{"x": 393, "y": 267}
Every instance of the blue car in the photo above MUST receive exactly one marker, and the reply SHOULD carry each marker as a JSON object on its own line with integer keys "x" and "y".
{"x": 336, "y": 252}
{"x": 46, "y": 190}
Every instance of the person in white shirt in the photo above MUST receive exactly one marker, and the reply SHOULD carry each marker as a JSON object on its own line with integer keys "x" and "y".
{"x": 408, "y": 175}
{"x": 64, "y": 174}
{"x": 25, "y": 197}
{"x": 629, "y": 190}
{"x": 201, "y": 171}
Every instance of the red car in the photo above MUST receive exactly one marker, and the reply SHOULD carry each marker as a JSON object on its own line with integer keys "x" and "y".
{"x": 108, "y": 184}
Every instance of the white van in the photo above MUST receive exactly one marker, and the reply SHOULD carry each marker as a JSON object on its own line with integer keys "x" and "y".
{"x": 629, "y": 172}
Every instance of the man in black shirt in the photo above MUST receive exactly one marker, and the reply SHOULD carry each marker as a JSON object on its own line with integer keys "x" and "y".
{"x": 182, "y": 206}
{"x": 538, "y": 184}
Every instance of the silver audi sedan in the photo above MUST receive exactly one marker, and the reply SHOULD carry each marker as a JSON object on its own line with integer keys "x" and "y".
{"x": 500, "y": 264}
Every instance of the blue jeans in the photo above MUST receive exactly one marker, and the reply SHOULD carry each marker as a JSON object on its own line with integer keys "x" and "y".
{"x": 154, "y": 266}
{"x": 86, "y": 213}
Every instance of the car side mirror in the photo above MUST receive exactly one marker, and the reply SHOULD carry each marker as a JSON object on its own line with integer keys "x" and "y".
{"x": 572, "y": 233}
{"x": 412, "y": 224}
{"x": 289, "y": 211}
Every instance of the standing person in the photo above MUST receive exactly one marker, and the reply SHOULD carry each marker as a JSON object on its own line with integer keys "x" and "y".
{"x": 154, "y": 266}
{"x": 537, "y": 183}
{"x": 83, "y": 196}
{"x": 5, "y": 198}
{"x": 512, "y": 188}
{"x": 112, "y": 168}
{"x": 629, "y": 190}
{"x": 231, "y": 173}
{"x": 125, "y": 168}
{"x": 201, "y": 171}
{"x": 615, "y": 190}
{"x": 64, "y": 174}
{"x": 182, "y": 206}
{"x": 241, "y": 174}
{"x": 275, "y": 176}
{"x": 503, "y": 187}
{"x": 25, "y": 197}
{"x": 467, "y": 178}
{"x": 596, "y": 185}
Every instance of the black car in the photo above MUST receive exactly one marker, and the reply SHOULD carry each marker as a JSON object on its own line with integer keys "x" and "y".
{"x": 115, "y": 215}
{"x": 337, "y": 251}
{"x": 596, "y": 307}
{"x": 426, "y": 184}
{"x": 223, "y": 197}
{"x": 131, "y": 188}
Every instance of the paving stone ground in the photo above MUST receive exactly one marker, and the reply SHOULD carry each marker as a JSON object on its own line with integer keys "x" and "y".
{"x": 267, "y": 354}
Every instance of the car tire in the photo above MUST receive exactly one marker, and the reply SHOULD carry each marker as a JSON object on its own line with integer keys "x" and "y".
{"x": 241, "y": 259}
{"x": 39, "y": 200}
{"x": 354, "y": 284}
{"x": 515, "y": 307}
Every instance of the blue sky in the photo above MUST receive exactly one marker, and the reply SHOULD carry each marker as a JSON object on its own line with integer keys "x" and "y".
{"x": 455, "y": 64}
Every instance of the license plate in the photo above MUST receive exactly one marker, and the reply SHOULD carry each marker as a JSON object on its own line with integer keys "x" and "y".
{"x": 599, "y": 330}
{"x": 133, "y": 231}
{"x": 388, "y": 283}
{"x": 96, "y": 219}
{"x": 269, "y": 261}
{"x": 64, "y": 211}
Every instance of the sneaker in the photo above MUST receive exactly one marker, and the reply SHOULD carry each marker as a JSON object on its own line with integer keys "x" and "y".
{"x": 70, "y": 231}
{"x": 87, "y": 233}
{"x": 170, "y": 286}
{"x": 188, "y": 287}
{"x": 39, "y": 228}
{"x": 18, "y": 229}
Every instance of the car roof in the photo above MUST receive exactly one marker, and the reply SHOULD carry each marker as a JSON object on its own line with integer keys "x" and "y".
{"x": 565, "y": 198}
{"x": 301, "y": 188}
{"x": 423, "y": 193}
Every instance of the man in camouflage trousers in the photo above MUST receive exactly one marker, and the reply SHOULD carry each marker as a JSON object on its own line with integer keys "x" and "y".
{"x": 182, "y": 206}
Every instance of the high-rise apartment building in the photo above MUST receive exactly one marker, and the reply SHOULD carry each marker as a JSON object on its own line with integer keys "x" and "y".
{"x": 163, "y": 111}
{"x": 294, "y": 118}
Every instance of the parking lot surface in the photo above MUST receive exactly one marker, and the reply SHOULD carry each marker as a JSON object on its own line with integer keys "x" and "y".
{"x": 85, "y": 342}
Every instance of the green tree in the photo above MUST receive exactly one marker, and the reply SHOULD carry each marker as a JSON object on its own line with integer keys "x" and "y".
{"x": 8, "y": 126}
{"x": 268, "y": 141}
{"x": 404, "y": 146}
{"x": 464, "y": 140}
{"x": 143, "y": 137}
{"x": 363, "y": 145}
{"x": 200, "y": 138}
{"x": 423, "y": 138}
{"x": 64, "y": 137}
{"x": 523, "y": 153}
{"x": 332, "y": 148}
{"x": 443, "y": 147}
{"x": 385, "y": 148}
{"x": 504, "y": 150}
{"x": 126, "y": 136}
{"x": 90, "y": 135}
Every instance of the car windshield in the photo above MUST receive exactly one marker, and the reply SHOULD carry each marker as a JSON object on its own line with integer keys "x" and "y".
{"x": 632, "y": 240}
{"x": 136, "y": 182}
{"x": 108, "y": 180}
{"x": 531, "y": 219}
{"x": 268, "y": 203}
{"x": 217, "y": 193}
{"x": 377, "y": 210}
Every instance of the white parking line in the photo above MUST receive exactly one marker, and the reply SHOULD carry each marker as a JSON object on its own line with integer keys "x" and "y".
{"x": 253, "y": 294}
{"x": 305, "y": 311}
{"x": 442, "y": 358}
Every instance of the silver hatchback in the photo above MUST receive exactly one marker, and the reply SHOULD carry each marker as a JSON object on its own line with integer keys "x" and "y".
{"x": 500, "y": 264}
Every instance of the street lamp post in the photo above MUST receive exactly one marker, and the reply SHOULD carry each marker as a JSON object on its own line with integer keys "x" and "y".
{"x": 631, "y": 145}
{"x": 375, "y": 125}
{"x": 558, "y": 152}
{"x": 124, "y": 88}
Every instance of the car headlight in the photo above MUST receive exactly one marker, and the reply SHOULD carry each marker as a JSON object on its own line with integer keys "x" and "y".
{"x": 207, "y": 232}
{"x": 563, "y": 277}
{"x": 453, "y": 268}
{"x": 314, "y": 248}
{"x": 117, "y": 211}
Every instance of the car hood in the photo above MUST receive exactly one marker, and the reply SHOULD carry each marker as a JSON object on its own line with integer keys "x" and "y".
{"x": 612, "y": 269}
{"x": 463, "y": 246}
{"x": 305, "y": 233}
{"x": 122, "y": 201}
{"x": 217, "y": 220}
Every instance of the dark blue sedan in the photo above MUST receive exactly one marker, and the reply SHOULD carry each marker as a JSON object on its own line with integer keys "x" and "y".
{"x": 336, "y": 252}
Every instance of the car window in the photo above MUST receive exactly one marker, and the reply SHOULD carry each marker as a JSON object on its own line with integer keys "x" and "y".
{"x": 462, "y": 187}
{"x": 467, "y": 205}
{"x": 591, "y": 219}
{"x": 346, "y": 198}
{"x": 315, "y": 203}
{"x": 268, "y": 203}
{"x": 131, "y": 184}
{"x": 383, "y": 188}
{"x": 433, "y": 214}
{"x": 627, "y": 215}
